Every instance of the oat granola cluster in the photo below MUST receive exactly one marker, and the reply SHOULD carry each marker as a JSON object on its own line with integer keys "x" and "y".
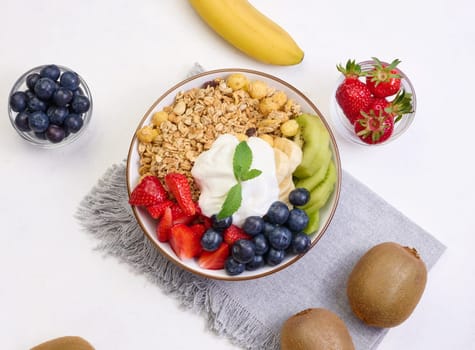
{"x": 177, "y": 134}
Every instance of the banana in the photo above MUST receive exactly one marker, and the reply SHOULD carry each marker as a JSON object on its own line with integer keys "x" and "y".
{"x": 243, "y": 26}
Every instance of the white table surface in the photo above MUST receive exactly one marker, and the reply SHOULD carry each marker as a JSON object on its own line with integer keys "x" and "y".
{"x": 52, "y": 281}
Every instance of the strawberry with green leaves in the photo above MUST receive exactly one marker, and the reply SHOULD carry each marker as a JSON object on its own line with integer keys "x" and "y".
{"x": 373, "y": 128}
{"x": 352, "y": 95}
{"x": 400, "y": 105}
{"x": 384, "y": 79}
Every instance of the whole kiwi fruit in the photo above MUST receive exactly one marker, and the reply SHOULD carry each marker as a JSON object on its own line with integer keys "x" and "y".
{"x": 315, "y": 329}
{"x": 386, "y": 284}
{"x": 65, "y": 343}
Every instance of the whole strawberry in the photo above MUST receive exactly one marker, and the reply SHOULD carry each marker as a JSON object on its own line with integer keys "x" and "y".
{"x": 400, "y": 105}
{"x": 383, "y": 80}
{"x": 352, "y": 95}
{"x": 374, "y": 128}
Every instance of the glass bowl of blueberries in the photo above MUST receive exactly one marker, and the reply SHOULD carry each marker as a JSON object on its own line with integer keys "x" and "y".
{"x": 50, "y": 106}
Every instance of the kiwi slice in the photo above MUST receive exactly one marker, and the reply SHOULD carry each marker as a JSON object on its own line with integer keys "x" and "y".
{"x": 312, "y": 181}
{"x": 320, "y": 194}
{"x": 315, "y": 142}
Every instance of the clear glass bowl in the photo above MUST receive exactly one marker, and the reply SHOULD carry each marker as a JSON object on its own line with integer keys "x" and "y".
{"x": 345, "y": 128}
{"x": 29, "y": 136}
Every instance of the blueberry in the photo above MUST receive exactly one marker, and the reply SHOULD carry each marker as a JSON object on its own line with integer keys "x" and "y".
{"x": 57, "y": 115}
{"x": 243, "y": 251}
{"x": 221, "y": 224}
{"x": 18, "y": 101}
{"x": 41, "y": 135}
{"x": 261, "y": 244}
{"x": 30, "y": 94}
{"x": 268, "y": 227}
{"x": 51, "y": 71}
{"x": 21, "y": 121}
{"x": 31, "y": 80}
{"x": 62, "y": 96}
{"x": 257, "y": 262}
{"x": 38, "y": 121}
{"x": 35, "y": 104}
{"x": 80, "y": 104}
{"x": 274, "y": 256}
{"x": 280, "y": 238}
{"x": 55, "y": 133}
{"x": 300, "y": 243}
{"x": 277, "y": 213}
{"x": 253, "y": 225}
{"x": 298, "y": 220}
{"x": 73, "y": 123}
{"x": 299, "y": 196}
{"x": 45, "y": 88}
{"x": 211, "y": 240}
{"x": 233, "y": 267}
{"x": 69, "y": 80}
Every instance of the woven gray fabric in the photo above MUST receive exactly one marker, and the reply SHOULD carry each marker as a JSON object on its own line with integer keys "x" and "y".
{"x": 250, "y": 313}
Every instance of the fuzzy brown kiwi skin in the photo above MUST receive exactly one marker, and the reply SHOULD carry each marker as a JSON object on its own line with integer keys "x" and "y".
{"x": 315, "y": 329}
{"x": 66, "y": 342}
{"x": 386, "y": 284}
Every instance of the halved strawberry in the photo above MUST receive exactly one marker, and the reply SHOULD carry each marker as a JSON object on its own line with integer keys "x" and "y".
{"x": 198, "y": 229}
{"x": 164, "y": 225}
{"x": 214, "y": 260}
{"x": 178, "y": 215}
{"x": 233, "y": 234}
{"x": 149, "y": 191}
{"x": 180, "y": 188}
{"x": 156, "y": 211}
{"x": 184, "y": 241}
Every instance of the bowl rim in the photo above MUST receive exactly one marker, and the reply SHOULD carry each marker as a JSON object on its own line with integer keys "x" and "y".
{"x": 336, "y": 157}
{"x": 71, "y": 138}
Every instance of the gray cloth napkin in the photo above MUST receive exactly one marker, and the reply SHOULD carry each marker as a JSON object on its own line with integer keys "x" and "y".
{"x": 250, "y": 313}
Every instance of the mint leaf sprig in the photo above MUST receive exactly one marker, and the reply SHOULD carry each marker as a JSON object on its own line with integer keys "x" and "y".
{"x": 242, "y": 160}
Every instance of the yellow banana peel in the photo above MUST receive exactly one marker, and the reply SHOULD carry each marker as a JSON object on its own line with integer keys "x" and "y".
{"x": 246, "y": 28}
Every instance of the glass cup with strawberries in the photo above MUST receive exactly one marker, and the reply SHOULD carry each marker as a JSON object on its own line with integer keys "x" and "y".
{"x": 373, "y": 103}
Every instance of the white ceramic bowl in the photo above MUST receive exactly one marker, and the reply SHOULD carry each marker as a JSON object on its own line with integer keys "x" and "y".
{"x": 149, "y": 225}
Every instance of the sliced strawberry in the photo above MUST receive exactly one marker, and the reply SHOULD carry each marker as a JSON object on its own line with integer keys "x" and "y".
{"x": 149, "y": 191}
{"x": 156, "y": 211}
{"x": 179, "y": 217}
{"x": 233, "y": 234}
{"x": 164, "y": 225}
{"x": 198, "y": 229}
{"x": 180, "y": 188}
{"x": 184, "y": 241}
{"x": 214, "y": 260}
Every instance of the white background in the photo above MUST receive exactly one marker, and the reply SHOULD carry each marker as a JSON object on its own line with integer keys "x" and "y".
{"x": 53, "y": 283}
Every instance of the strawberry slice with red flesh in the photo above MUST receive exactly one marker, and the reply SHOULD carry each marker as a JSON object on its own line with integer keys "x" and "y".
{"x": 198, "y": 229}
{"x": 149, "y": 191}
{"x": 214, "y": 260}
{"x": 384, "y": 79}
{"x": 164, "y": 225}
{"x": 179, "y": 216}
{"x": 184, "y": 241}
{"x": 233, "y": 234}
{"x": 156, "y": 211}
{"x": 180, "y": 188}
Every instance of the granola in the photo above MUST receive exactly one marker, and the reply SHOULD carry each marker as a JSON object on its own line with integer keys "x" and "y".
{"x": 177, "y": 134}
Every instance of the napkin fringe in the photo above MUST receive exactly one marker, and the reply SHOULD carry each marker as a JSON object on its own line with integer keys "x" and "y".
{"x": 105, "y": 213}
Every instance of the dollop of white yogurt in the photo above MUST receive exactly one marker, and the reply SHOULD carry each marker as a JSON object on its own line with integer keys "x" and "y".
{"x": 213, "y": 173}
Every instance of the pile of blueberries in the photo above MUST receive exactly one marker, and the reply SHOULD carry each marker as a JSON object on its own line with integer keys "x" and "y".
{"x": 53, "y": 105}
{"x": 278, "y": 233}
